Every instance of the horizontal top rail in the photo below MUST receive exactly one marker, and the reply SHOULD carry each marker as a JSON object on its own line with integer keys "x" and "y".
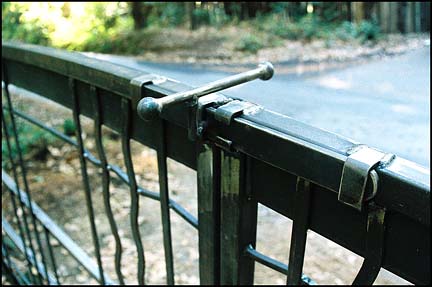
{"x": 297, "y": 148}
{"x": 264, "y": 124}
{"x": 321, "y": 143}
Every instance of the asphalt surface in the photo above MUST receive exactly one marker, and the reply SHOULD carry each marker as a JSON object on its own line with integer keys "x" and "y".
{"x": 382, "y": 103}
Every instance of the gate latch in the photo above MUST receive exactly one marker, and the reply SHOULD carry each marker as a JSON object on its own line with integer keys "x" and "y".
{"x": 358, "y": 167}
{"x": 149, "y": 108}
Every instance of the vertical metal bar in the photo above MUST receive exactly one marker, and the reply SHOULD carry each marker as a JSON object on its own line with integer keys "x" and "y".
{"x": 299, "y": 232}
{"x": 126, "y": 113}
{"x": 208, "y": 213}
{"x": 5, "y": 253}
{"x": 164, "y": 203}
{"x": 106, "y": 180}
{"x": 374, "y": 246}
{"x": 14, "y": 205}
{"x": 45, "y": 266}
{"x": 14, "y": 275}
{"x": 238, "y": 222}
{"x": 23, "y": 172}
{"x": 83, "y": 164}
{"x": 51, "y": 254}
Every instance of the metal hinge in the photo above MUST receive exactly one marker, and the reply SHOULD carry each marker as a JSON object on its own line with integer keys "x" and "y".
{"x": 358, "y": 167}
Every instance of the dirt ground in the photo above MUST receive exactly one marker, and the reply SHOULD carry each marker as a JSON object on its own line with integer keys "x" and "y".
{"x": 217, "y": 47}
{"x": 56, "y": 186}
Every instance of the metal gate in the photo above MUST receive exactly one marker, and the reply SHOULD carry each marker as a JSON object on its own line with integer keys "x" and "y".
{"x": 372, "y": 203}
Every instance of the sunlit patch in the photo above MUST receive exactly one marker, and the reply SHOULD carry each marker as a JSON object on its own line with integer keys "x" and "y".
{"x": 71, "y": 24}
{"x": 334, "y": 83}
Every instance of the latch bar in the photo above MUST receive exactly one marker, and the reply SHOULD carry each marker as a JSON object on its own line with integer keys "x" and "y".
{"x": 149, "y": 108}
{"x": 357, "y": 168}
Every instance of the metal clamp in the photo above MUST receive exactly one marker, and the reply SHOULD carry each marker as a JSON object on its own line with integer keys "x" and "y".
{"x": 232, "y": 109}
{"x": 358, "y": 167}
{"x": 137, "y": 83}
{"x": 149, "y": 108}
{"x": 197, "y": 123}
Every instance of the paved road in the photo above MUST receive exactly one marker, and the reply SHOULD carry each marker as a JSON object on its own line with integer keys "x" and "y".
{"x": 385, "y": 103}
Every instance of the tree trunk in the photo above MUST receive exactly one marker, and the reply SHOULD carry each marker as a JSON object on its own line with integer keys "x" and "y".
{"x": 190, "y": 7}
{"x": 409, "y": 17}
{"x": 357, "y": 11}
{"x": 137, "y": 15}
{"x": 385, "y": 16}
{"x": 394, "y": 17}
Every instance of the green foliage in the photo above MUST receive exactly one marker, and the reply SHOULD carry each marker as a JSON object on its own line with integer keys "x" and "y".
{"x": 172, "y": 15}
{"x": 364, "y": 31}
{"x": 249, "y": 43}
{"x": 310, "y": 27}
{"x": 367, "y": 30}
{"x": 69, "y": 127}
{"x": 31, "y": 139}
{"x": 107, "y": 27}
{"x": 346, "y": 31}
{"x": 201, "y": 16}
{"x": 14, "y": 28}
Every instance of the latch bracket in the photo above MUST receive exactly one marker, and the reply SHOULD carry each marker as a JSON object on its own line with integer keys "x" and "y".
{"x": 358, "y": 167}
{"x": 197, "y": 117}
{"x": 232, "y": 109}
{"x": 137, "y": 84}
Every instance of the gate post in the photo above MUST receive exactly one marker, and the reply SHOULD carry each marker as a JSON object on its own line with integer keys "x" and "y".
{"x": 238, "y": 220}
{"x": 208, "y": 173}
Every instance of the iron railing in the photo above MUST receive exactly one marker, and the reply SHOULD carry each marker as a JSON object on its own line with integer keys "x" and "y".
{"x": 299, "y": 177}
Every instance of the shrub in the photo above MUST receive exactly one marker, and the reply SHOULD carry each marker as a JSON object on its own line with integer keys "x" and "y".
{"x": 201, "y": 17}
{"x": 69, "y": 127}
{"x": 309, "y": 26}
{"x": 13, "y": 27}
{"x": 346, "y": 31}
{"x": 31, "y": 140}
{"x": 368, "y": 30}
{"x": 249, "y": 43}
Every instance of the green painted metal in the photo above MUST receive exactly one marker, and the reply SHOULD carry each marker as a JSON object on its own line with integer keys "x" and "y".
{"x": 208, "y": 166}
{"x": 126, "y": 111}
{"x": 164, "y": 203}
{"x": 238, "y": 222}
{"x": 299, "y": 231}
{"x": 84, "y": 175}
{"x": 106, "y": 180}
{"x": 250, "y": 172}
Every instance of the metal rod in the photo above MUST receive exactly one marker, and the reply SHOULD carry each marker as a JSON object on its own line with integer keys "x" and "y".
{"x": 73, "y": 248}
{"x": 14, "y": 205}
{"x": 274, "y": 264}
{"x": 23, "y": 172}
{"x": 164, "y": 204}
{"x": 51, "y": 253}
{"x": 149, "y": 108}
{"x": 117, "y": 171}
{"x": 299, "y": 231}
{"x": 86, "y": 183}
{"x": 106, "y": 180}
{"x": 127, "y": 156}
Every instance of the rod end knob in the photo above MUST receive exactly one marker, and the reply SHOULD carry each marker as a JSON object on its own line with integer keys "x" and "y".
{"x": 148, "y": 108}
{"x": 268, "y": 70}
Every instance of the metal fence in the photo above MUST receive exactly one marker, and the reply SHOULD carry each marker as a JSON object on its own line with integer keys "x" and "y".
{"x": 374, "y": 204}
